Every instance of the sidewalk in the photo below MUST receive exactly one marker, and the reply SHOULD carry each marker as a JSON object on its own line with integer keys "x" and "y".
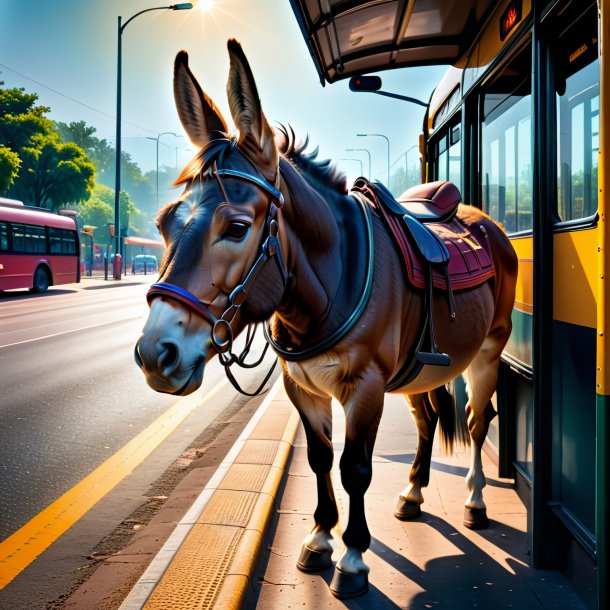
{"x": 237, "y": 547}
{"x": 433, "y": 562}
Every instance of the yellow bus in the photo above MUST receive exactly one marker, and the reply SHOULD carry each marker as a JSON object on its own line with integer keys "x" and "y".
{"x": 518, "y": 124}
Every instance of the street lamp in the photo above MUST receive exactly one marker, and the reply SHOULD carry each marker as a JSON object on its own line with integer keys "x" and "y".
{"x": 406, "y": 156}
{"x": 351, "y": 159}
{"x": 379, "y": 135}
{"x": 362, "y": 150}
{"x": 415, "y": 146}
{"x": 157, "y": 140}
{"x": 182, "y": 6}
{"x": 180, "y": 148}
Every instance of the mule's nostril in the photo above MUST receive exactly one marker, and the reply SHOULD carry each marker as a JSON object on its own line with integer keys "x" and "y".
{"x": 136, "y": 354}
{"x": 169, "y": 357}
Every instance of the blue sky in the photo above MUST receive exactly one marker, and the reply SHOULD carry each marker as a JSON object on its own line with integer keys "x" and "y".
{"x": 65, "y": 50}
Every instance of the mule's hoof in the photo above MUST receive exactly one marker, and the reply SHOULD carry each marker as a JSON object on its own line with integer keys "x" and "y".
{"x": 405, "y": 510}
{"x": 345, "y": 585}
{"x": 476, "y": 518}
{"x": 314, "y": 561}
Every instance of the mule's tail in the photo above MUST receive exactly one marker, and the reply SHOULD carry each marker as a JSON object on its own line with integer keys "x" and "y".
{"x": 453, "y": 427}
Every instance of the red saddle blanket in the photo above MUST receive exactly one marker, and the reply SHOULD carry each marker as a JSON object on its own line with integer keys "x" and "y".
{"x": 470, "y": 262}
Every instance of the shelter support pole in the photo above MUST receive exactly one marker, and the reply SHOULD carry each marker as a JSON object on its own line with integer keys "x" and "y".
{"x": 602, "y": 488}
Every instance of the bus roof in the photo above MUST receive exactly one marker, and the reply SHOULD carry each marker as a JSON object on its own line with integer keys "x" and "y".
{"x": 28, "y": 215}
{"x": 347, "y": 37}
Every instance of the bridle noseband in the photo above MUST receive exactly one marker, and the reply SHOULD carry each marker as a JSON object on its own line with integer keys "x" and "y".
{"x": 270, "y": 248}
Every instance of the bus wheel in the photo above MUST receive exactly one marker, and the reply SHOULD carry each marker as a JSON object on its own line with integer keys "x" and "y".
{"x": 41, "y": 280}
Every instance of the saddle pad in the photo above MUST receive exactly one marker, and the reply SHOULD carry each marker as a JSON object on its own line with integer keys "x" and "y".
{"x": 470, "y": 262}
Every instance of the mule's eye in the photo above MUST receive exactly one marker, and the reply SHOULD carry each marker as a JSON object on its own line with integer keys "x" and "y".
{"x": 236, "y": 230}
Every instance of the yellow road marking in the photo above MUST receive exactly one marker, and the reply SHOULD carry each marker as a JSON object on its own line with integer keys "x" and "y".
{"x": 27, "y": 543}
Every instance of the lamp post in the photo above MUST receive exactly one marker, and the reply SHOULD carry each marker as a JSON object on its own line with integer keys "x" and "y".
{"x": 117, "y": 184}
{"x": 379, "y": 135}
{"x": 353, "y": 159}
{"x": 406, "y": 156}
{"x": 362, "y": 150}
{"x": 177, "y": 149}
{"x": 415, "y": 146}
{"x": 157, "y": 141}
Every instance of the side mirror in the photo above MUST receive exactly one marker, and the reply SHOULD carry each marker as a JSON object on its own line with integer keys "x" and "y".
{"x": 365, "y": 83}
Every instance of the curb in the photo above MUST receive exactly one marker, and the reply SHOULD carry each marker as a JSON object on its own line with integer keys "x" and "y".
{"x": 209, "y": 559}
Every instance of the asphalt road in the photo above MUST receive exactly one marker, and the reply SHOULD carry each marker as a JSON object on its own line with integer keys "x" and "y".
{"x": 71, "y": 396}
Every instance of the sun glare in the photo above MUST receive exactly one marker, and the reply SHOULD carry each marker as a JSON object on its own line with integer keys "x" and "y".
{"x": 205, "y": 5}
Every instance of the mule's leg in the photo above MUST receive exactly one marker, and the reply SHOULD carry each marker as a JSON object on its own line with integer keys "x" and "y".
{"x": 363, "y": 406}
{"x": 481, "y": 378}
{"x": 316, "y": 415}
{"x": 411, "y": 498}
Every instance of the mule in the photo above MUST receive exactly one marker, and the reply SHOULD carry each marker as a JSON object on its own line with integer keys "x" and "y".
{"x": 264, "y": 231}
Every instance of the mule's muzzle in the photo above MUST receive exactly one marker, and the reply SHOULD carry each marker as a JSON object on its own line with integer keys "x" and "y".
{"x": 162, "y": 363}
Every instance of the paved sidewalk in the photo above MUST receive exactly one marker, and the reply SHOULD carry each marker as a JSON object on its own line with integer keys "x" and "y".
{"x": 434, "y": 562}
{"x": 210, "y": 561}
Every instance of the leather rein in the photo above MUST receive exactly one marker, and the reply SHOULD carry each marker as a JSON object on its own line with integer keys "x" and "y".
{"x": 270, "y": 248}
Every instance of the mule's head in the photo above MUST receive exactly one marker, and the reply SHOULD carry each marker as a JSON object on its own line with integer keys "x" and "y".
{"x": 215, "y": 233}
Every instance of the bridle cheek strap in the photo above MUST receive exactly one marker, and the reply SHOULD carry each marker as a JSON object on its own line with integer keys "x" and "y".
{"x": 222, "y": 331}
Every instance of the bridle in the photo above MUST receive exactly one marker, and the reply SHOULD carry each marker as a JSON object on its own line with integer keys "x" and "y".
{"x": 270, "y": 248}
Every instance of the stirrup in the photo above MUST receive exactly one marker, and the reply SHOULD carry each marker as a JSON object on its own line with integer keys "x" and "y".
{"x": 433, "y": 357}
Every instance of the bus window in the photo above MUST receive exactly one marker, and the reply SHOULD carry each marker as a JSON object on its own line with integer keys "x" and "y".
{"x": 3, "y": 237}
{"x": 62, "y": 241}
{"x": 577, "y": 83}
{"x": 506, "y": 150}
{"x": 448, "y": 158}
{"x": 29, "y": 238}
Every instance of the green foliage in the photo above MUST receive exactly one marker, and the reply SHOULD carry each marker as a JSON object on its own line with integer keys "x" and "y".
{"x": 98, "y": 211}
{"x": 99, "y": 150}
{"x": 20, "y": 118}
{"x": 140, "y": 187}
{"x": 9, "y": 166}
{"x": 50, "y": 173}
{"x": 53, "y": 174}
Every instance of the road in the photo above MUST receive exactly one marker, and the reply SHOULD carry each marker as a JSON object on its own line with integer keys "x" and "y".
{"x": 71, "y": 397}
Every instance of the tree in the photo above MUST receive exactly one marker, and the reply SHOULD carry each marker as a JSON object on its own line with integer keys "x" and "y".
{"x": 99, "y": 150}
{"x": 9, "y": 167}
{"x": 98, "y": 210}
{"x": 49, "y": 173}
{"x": 96, "y": 213}
{"x": 140, "y": 187}
{"x": 53, "y": 174}
{"x": 20, "y": 118}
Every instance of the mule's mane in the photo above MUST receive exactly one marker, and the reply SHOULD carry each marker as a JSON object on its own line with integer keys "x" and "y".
{"x": 321, "y": 171}
{"x": 220, "y": 145}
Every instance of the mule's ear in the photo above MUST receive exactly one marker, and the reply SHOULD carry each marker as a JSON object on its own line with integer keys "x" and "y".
{"x": 198, "y": 113}
{"x": 255, "y": 134}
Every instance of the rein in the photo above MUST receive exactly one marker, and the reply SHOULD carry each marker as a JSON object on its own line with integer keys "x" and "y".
{"x": 222, "y": 332}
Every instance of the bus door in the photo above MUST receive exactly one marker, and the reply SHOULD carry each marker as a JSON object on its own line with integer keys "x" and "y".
{"x": 506, "y": 194}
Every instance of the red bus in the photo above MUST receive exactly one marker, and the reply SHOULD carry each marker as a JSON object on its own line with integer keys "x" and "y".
{"x": 38, "y": 248}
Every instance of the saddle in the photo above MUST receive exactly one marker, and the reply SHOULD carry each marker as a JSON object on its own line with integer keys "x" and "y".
{"x": 437, "y": 252}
